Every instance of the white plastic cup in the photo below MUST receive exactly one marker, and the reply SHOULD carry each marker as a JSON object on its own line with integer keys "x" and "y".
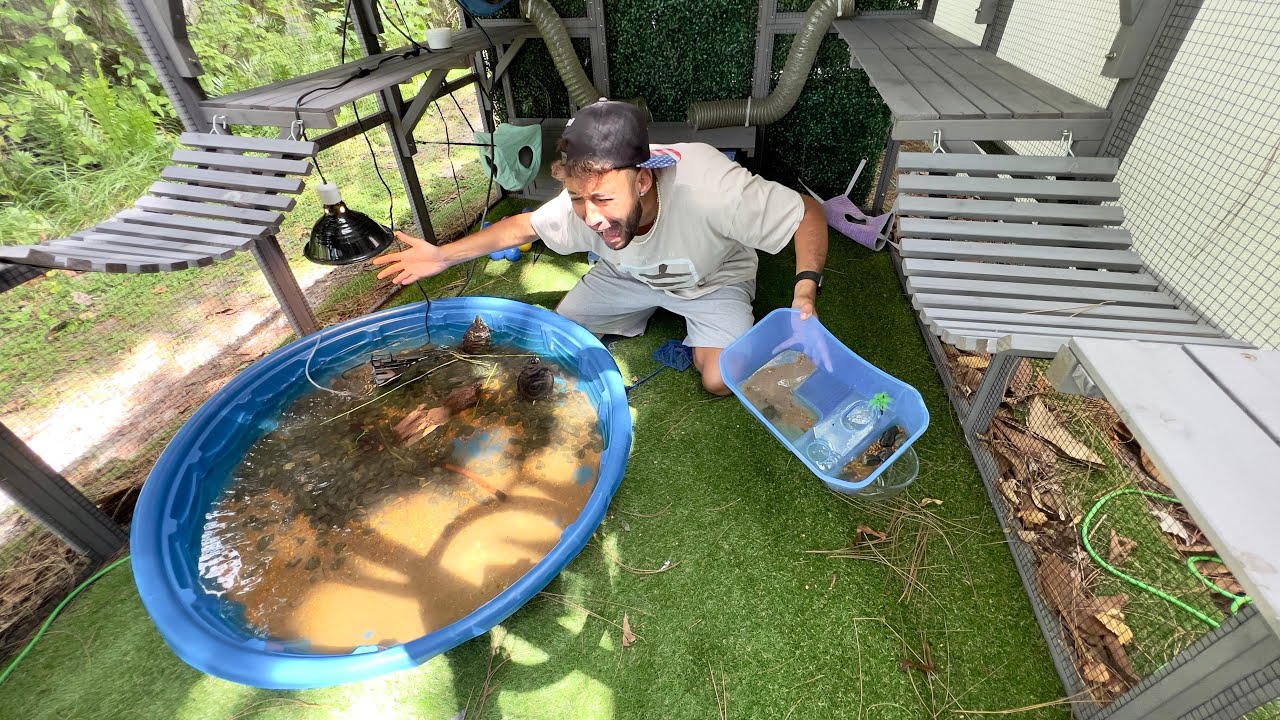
{"x": 440, "y": 38}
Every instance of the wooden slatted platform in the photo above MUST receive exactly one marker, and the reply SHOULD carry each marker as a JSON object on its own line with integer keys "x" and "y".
{"x": 932, "y": 79}
{"x": 1009, "y": 267}
{"x": 216, "y": 201}
{"x": 317, "y": 98}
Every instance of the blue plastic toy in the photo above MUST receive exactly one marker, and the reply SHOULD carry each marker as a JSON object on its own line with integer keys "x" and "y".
{"x": 205, "y": 630}
{"x": 510, "y": 254}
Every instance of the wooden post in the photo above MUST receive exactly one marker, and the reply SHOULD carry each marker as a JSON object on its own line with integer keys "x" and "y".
{"x": 367, "y": 24}
{"x": 1129, "y": 108}
{"x": 175, "y": 68}
{"x": 284, "y": 285}
{"x": 999, "y": 20}
{"x": 36, "y": 488}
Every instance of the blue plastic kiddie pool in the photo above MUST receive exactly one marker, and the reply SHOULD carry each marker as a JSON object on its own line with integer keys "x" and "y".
{"x": 836, "y": 392}
{"x": 195, "y": 467}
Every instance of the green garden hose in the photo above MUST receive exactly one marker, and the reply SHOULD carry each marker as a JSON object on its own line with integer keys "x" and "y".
{"x": 49, "y": 621}
{"x": 1238, "y": 600}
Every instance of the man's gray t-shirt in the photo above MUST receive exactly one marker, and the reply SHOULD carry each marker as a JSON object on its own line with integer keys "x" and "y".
{"x": 713, "y": 215}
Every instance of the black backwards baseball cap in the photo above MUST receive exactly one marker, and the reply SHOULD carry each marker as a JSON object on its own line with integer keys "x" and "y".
{"x": 614, "y": 134}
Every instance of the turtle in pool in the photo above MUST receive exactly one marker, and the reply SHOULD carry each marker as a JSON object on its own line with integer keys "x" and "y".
{"x": 535, "y": 380}
{"x": 478, "y": 338}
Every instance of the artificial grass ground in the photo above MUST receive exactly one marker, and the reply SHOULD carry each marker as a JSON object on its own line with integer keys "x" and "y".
{"x": 786, "y": 633}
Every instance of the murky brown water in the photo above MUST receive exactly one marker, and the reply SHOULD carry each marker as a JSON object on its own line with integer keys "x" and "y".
{"x": 344, "y": 527}
{"x": 772, "y": 388}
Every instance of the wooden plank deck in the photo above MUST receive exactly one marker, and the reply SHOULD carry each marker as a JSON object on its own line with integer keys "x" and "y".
{"x": 316, "y": 96}
{"x": 925, "y": 73}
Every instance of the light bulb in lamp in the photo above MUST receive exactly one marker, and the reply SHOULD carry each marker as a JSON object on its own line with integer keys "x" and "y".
{"x": 343, "y": 236}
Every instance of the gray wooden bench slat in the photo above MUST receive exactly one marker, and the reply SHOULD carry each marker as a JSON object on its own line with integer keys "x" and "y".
{"x": 101, "y": 243}
{"x": 1068, "y": 323}
{"x": 215, "y": 240}
{"x": 1112, "y": 238}
{"x": 1217, "y": 460}
{"x": 1022, "y": 103}
{"x": 243, "y": 163}
{"x": 960, "y": 327}
{"x": 919, "y": 37}
{"x": 853, "y": 35}
{"x": 1025, "y": 273}
{"x": 986, "y": 105}
{"x": 1051, "y": 308}
{"x": 186, "y": 222}
{"x": 953, "y": 163}
{"x": 251, "y": 216}
{"x": 73, "y": 248}
{"x": 234, "y": 180}
{"x": 1044, "y": 256}
{"x": 90, "y": 260}
{"x": 882, "y": 34}
{"x": 246, "y": 143}
{"x": 1000, "y": 188}
{"x": 1252, "y": 379}
{"x": 1082, "y": 295}
{"x": 1010, "y": 210}
{"x": 904, "y": 101}
{"x": 182, "y": 191}
{"x": 45, "y": 257}
{"x": 946, "y": 100}
{"x": 184, "y": 249}
{"x": 951, "y": 39}
{"x": 1069, "y": 105}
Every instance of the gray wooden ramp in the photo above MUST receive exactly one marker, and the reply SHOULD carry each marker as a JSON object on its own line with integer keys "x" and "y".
{"x": 217, "y": 199}
{"x": 933, "y": 80}
{"x": 1017, "y": 254}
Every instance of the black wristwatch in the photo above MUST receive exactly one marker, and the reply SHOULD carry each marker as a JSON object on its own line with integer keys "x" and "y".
{"x": 816, "y": 277}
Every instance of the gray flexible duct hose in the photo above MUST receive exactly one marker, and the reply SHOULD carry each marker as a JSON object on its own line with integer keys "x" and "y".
{"x": 581, "y": 91}
{"x": 725, "y": 113}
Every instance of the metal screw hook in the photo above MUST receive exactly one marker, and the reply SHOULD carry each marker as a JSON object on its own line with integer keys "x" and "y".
{"x": 935, "y": 143}
{"x": 218, "y": 120}
{"x": 296, "y": 130}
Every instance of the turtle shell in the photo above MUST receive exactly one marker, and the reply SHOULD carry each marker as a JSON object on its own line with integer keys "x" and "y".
{"x": 535, "y": 380}
{"x": 478, "y": 338}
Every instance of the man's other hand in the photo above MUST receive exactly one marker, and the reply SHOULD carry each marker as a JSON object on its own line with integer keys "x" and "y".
{"x": 420, "y": 260}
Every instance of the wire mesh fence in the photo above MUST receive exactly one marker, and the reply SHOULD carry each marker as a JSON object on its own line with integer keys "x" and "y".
{"x": 1123, "y": 582}
{"x": 1200, "y": 139}
{"x": 98, "y": 370}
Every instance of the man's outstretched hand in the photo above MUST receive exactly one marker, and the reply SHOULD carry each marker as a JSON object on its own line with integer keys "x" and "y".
{"x": 420, "y": 260}
{"x": 804, "y": 304}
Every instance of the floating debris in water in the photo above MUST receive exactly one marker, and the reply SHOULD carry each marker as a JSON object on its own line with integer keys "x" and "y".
{"x": 535, "y": 381}
{"x": 478, "y": 338}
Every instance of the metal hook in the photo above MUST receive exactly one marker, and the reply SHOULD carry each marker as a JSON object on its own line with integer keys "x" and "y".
{"x": 1066, "y": 144}
{"x": 296, "y": 130}
{"x": 935, "y": 143}
{"x": 218, "y": 120}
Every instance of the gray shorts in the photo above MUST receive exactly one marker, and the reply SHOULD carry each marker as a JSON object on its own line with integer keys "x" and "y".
{"x": 609, "y": 302}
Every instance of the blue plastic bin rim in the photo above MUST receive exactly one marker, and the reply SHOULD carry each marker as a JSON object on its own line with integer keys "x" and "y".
{"x": 834, "y": 344}
{"x": 217, "y": 650}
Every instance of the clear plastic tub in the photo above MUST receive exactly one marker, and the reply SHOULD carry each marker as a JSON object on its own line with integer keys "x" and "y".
{"x": 828, "y": 406}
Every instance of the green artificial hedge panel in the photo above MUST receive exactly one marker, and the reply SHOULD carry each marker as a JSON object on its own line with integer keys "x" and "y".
{"x": 676, "y": 52}
{"x": 536, "y": 86}
{"x": 838, "y": 120}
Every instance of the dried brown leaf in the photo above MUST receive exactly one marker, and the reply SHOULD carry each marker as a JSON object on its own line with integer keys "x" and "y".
{"x": 1150, "y": 467}
{"x": 1113, "y": 620}
{"x": 1042, "y": 422}
{"x": 1009, "y": 489}
{"x": 868, "y": 533}
{"x": 1096, "y": 672}
{"x": 628, "y": 637}
{"x": 1027, "y": 536}
{"x": 1032, "y": 517}
{"x": 1171, "y": 525}
{"x": 977, "y": 362}
{"x": 926, "y": 502}
{"x": 1120, "y": 548}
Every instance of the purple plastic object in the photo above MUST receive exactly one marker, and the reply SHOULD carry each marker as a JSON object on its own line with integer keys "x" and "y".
{"x": 849, "y": 220}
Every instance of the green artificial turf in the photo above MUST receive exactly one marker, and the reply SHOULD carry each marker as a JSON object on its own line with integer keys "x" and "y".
{"x": 787, "y": 634}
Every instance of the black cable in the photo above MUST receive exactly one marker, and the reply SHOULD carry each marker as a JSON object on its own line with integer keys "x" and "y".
{"x": 417, "y": 47}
